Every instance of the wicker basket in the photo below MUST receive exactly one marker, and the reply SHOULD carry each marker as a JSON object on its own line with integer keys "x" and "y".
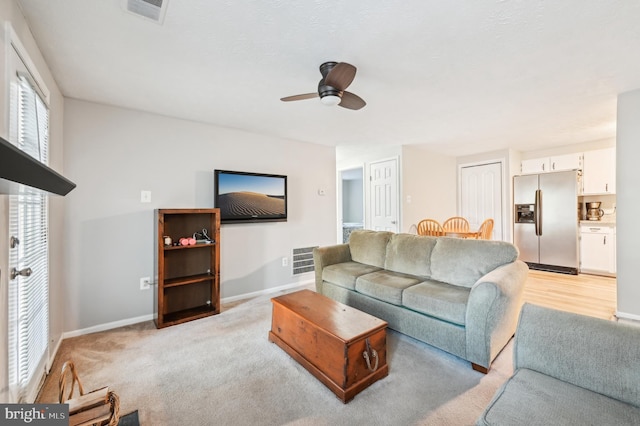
{"x": 99, "y": 407}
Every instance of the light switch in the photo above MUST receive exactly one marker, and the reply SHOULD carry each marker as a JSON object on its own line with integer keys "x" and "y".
{"x": 145, "y": 196}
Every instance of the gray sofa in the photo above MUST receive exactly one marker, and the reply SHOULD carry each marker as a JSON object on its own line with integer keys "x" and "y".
{"x": 569, "y": 370}
{"x": 462, "y": 296}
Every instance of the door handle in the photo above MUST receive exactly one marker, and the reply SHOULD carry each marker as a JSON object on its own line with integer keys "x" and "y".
{"x": 23, "y": 273}
{"x": 538, "y": 210}
{"x": 393, "y": 222}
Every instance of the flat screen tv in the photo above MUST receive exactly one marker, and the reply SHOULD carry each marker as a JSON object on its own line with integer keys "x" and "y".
{"x": 250, "y": 197}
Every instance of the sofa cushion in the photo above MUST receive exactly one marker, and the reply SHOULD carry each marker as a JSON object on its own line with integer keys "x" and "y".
{"x": 345, "y": 274}
{"x": 369, "y": 247}
{"x": 592, "y": 353}
{"x": 385, "y": 285}
{"x": 441, "y": 300}
{"x": 533, "y": 398}
{"x": 410, "y": 254}
{"x": 462, "y": 262}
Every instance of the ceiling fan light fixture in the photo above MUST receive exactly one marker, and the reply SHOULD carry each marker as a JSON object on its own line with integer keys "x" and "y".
{"x": 330, "y": 100}
{"x": 336, "y": 77}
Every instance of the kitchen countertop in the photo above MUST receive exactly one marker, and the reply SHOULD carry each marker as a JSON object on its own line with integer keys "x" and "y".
{"x": 602, "y": 222}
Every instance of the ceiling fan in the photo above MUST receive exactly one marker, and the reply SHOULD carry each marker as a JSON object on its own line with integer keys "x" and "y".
{"x": 336, "y": 77}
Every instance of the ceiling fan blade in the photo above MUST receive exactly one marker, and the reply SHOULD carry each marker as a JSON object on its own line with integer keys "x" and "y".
{"x": 341, "y": 76}
{"x": 300, "y": 97}
{"x": 351, "y": 101}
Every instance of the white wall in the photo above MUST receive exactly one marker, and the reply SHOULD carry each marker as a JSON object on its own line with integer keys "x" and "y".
{"x": 628, "y": 199}
{"x": 428, "y": 186}
{"x": 570, "y": 149}
{"x": 114, "y": 153}
{"x": 429, "y": 179}
{"x": 10, "y": 13}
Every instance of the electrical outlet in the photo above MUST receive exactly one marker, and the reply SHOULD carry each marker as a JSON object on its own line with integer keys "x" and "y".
{"x": 145, "y": 283}
{"x": 285, "y": 261}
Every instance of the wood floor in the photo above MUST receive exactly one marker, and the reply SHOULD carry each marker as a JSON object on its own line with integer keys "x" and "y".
{"x": 582, "y": 294}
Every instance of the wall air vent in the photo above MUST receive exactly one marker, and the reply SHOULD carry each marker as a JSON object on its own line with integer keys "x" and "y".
{"x": 149, "y": 9}
{"x": 302, "y": 260}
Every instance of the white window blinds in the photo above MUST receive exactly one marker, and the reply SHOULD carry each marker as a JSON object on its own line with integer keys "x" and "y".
{"x": 28, "y": 223}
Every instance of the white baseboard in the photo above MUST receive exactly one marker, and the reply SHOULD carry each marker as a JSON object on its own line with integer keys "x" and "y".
{"x": 52, "y": 354}
{"x": 266, "y": 291}
{"x": 624, "y": 315}
{"x": 107, "y": 326}
{"x": 135, "y": 320}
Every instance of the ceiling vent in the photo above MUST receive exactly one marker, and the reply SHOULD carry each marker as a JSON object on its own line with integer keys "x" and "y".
{"x": 149, "y": 9}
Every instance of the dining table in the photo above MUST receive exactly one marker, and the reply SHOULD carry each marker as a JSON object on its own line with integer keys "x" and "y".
{"x": 458, "y": 233}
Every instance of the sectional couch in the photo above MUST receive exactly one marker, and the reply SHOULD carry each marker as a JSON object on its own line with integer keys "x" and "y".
{"x": 462, "y": 296}
{"x": 569, "y": 369}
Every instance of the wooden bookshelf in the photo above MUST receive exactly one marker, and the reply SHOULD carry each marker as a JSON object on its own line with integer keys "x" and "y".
{"x": 188, "y": 277}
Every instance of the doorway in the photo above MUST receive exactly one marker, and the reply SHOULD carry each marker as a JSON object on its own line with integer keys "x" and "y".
{"x": 351, "y": 202}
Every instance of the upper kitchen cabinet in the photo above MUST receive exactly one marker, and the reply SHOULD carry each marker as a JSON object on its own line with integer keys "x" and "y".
{"x": 534, "y": 165}
{"x": 599, "y": 173}
{"x": 552, "y": 164}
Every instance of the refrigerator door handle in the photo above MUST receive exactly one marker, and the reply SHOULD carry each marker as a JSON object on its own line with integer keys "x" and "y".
{"x": 538, "y": 208}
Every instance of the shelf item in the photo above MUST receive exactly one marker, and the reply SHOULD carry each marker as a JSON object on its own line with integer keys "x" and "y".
{"x": 188, "y": 276}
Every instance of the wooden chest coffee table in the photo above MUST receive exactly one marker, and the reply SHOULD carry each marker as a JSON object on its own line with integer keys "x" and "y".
{"x": 342, "y": 347}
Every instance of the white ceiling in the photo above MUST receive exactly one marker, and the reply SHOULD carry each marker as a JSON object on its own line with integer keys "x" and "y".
{"x": 461, "y": 77}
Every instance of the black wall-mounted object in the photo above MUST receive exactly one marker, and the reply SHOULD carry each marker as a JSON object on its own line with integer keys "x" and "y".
{"x": 244, "y": 197}
{"x": 18, "y": 168}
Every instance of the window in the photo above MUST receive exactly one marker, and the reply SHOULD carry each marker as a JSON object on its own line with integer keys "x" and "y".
{"x": 28, "y": 331}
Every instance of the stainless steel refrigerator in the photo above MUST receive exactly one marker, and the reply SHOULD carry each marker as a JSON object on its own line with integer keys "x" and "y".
{"x": 545, "y": 228}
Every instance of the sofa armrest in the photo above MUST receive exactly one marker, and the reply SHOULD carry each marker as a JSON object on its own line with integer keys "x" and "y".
{"x": 329, "y": 255}
{"x": 492, "y": 311}
{"x": 592, "y": 353}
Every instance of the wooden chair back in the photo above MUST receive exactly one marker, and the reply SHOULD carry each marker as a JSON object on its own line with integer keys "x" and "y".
{"x": 430, "y": 227}
{"x": 456, "y": 223}
{"x": 486, "y": 229}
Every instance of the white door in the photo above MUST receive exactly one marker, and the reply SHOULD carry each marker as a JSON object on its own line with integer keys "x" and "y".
{"x": 481, "y": 196}
{"x": 384, "y": 196}
{"x": 28, "y": 275}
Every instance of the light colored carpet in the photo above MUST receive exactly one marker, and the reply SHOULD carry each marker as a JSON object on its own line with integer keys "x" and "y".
{"x": 222, "y": 370}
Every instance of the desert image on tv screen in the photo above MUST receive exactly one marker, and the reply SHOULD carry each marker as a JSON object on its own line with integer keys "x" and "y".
{"x": 250, "y": 196}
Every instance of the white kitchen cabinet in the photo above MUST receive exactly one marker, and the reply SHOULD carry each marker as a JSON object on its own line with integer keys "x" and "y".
{"x": 566, "y": 162}
{"x": 599, "y": 173}
{"x": 597, "y": 249}
{"x": 555, "y": 163}
{"x": 534, "y": 165}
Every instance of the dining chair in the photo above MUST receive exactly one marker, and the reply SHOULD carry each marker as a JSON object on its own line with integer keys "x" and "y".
{"x": 456, "y": 223}
{"x": 485, "y": 230}
{"x": 430, "y": 227}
